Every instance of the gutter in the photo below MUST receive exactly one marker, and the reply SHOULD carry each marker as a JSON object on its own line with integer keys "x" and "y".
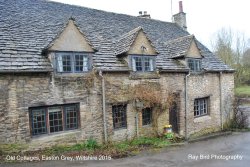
{"x": 21, "y": 71}
{"x": 221, "y": 105}
{"x": 104, "y": 108}
{"x": 186, "y": 106}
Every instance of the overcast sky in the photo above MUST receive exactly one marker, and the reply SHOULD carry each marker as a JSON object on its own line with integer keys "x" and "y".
{"x": 204, "y": 17}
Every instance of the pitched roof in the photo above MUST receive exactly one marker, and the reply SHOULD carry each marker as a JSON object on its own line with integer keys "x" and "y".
{"x": 179, "y": 47}
{"x": 123, "y": 44}
{"x": 27, "y": 27}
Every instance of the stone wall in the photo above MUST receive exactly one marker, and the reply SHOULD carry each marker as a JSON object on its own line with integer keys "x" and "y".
{"x": 208, "y": 85}
{"x": 117, "y": 88}
{"x": 20, "y": 92}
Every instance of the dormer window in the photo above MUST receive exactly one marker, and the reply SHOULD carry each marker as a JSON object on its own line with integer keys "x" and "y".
{"x": 194, "y": 64}
{"x": 142, "y": 63}
{"x": 72, "y": 62}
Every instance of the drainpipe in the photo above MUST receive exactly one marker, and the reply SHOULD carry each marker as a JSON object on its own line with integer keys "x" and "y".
{"x": 186, "y": 100}
{"x": 137, "y": 125}
{"x": 104, "y": 108}
{"x": 221, "y": 105}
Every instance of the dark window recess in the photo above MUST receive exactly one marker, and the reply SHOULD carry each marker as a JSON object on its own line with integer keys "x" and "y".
{"x": 54, "y": 119}
{"x": 38, "y": 118}
{"x": 71, "y": 117}
{"x": 194, "y": 65}
{"x": 72, "y": 62}
{"x": 201, "y": 107}
{"x": 143, "y": 63}
{"x": 119, "y": 113}
{"x": 146, "y": 116}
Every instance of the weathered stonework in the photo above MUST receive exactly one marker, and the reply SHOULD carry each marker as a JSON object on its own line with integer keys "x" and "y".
{"x": 24, "y": 91}
{"x": 20, "y": 92}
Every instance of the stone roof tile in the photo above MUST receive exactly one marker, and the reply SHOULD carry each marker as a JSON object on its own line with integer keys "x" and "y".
{"x": 27, "y": 27}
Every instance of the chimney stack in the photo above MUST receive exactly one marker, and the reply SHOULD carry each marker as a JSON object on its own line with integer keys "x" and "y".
{"x": 180, "y": 18}
{"x": 144, "y": 14}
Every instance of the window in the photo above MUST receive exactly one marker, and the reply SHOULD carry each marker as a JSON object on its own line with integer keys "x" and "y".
{"x": 38, "y": 121}
{"x": 72, "y": 62}
{"x": 146, "y": 116}
{"x": 119, "y": 116}
{"x": 194, "y": 65}
{"x": 55, "y": 119}
{"x": 200, "y": 107}
{"x": 143, "y": 63}
{"x": 45, "y": 120}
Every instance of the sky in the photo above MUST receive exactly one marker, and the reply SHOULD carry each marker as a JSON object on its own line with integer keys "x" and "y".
{"x": 204, "y": 17}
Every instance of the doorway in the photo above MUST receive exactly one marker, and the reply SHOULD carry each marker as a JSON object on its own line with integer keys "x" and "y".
{"x": 173, "y": 117}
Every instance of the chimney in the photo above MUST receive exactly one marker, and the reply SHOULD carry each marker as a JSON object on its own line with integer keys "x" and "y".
{"x": 144, "y": 15}
{"x": 180, "y": 18}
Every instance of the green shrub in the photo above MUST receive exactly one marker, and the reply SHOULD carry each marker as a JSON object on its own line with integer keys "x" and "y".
{"x": 91, "y": 144}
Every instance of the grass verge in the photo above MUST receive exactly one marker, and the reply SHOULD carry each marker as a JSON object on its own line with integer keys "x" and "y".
{"x": 242, "y": 91}
{"x": 90, "y": 148}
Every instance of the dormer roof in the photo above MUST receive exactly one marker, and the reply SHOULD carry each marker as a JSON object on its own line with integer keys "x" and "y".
{"x": 71, "y": 38}
{"x": 180, "y": 47}
{"x": 125, "y": 42}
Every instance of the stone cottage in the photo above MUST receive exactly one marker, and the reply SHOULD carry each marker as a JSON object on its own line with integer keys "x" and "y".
{"x": 70, "y": 73}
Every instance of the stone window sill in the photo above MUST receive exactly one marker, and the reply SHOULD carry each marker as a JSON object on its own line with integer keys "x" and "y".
{"x": 202, "y": 119}
{"x": 144, "y": 75}
{"x": 53, "y": 136}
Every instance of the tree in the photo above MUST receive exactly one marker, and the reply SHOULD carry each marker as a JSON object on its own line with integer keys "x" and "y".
{"x": 246, "y": 67}
{"x": 230, "y": 48}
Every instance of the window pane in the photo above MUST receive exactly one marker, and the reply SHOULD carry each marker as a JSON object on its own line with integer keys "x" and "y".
{"x": 194, "y": 65}
{"x": 191, "y": 64}
{"x": 64, "y": 63}
{"x": 71, "y": 117}
{"x": 119, "y": 116}
{"x": 148, "y": 64}
{"x": 200, "y": 107}
{"x": 143, "y": 63}
{"x": 38, "y": 118}
{"x": 55, "y": 119}
{"x": 81, "y": 63}
{"x": 146, "y": 116}
{"x": 138, "y": 63}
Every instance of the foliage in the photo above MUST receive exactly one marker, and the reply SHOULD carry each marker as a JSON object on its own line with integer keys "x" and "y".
{"x": 90, "y": 147}
{"x": 142, "y": 95}
{"x": 91, "y": 144}
{"x": 150, "y": 95}
{"x": 11, "y": 148}
{"x": 230, "y": 48}
{"x": 239, "y": 120}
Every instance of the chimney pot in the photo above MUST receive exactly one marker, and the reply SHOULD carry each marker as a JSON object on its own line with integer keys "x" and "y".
{"x": 180, "y": 7}
{"x": 140, "y": 13}
{"x": 145, "y": 12}
{"x": 180, "y": 18}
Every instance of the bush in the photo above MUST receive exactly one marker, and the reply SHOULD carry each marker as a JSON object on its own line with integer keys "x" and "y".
{"x": 240, "y": 119}
{"x": 91, "y": 144}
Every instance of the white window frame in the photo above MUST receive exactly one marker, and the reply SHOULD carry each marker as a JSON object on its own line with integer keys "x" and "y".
{"x": 196, "y": 64}
{"x": 201, "y": 107}
{"x": 73, "y": 65}
{"x": 152, "y": 63}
